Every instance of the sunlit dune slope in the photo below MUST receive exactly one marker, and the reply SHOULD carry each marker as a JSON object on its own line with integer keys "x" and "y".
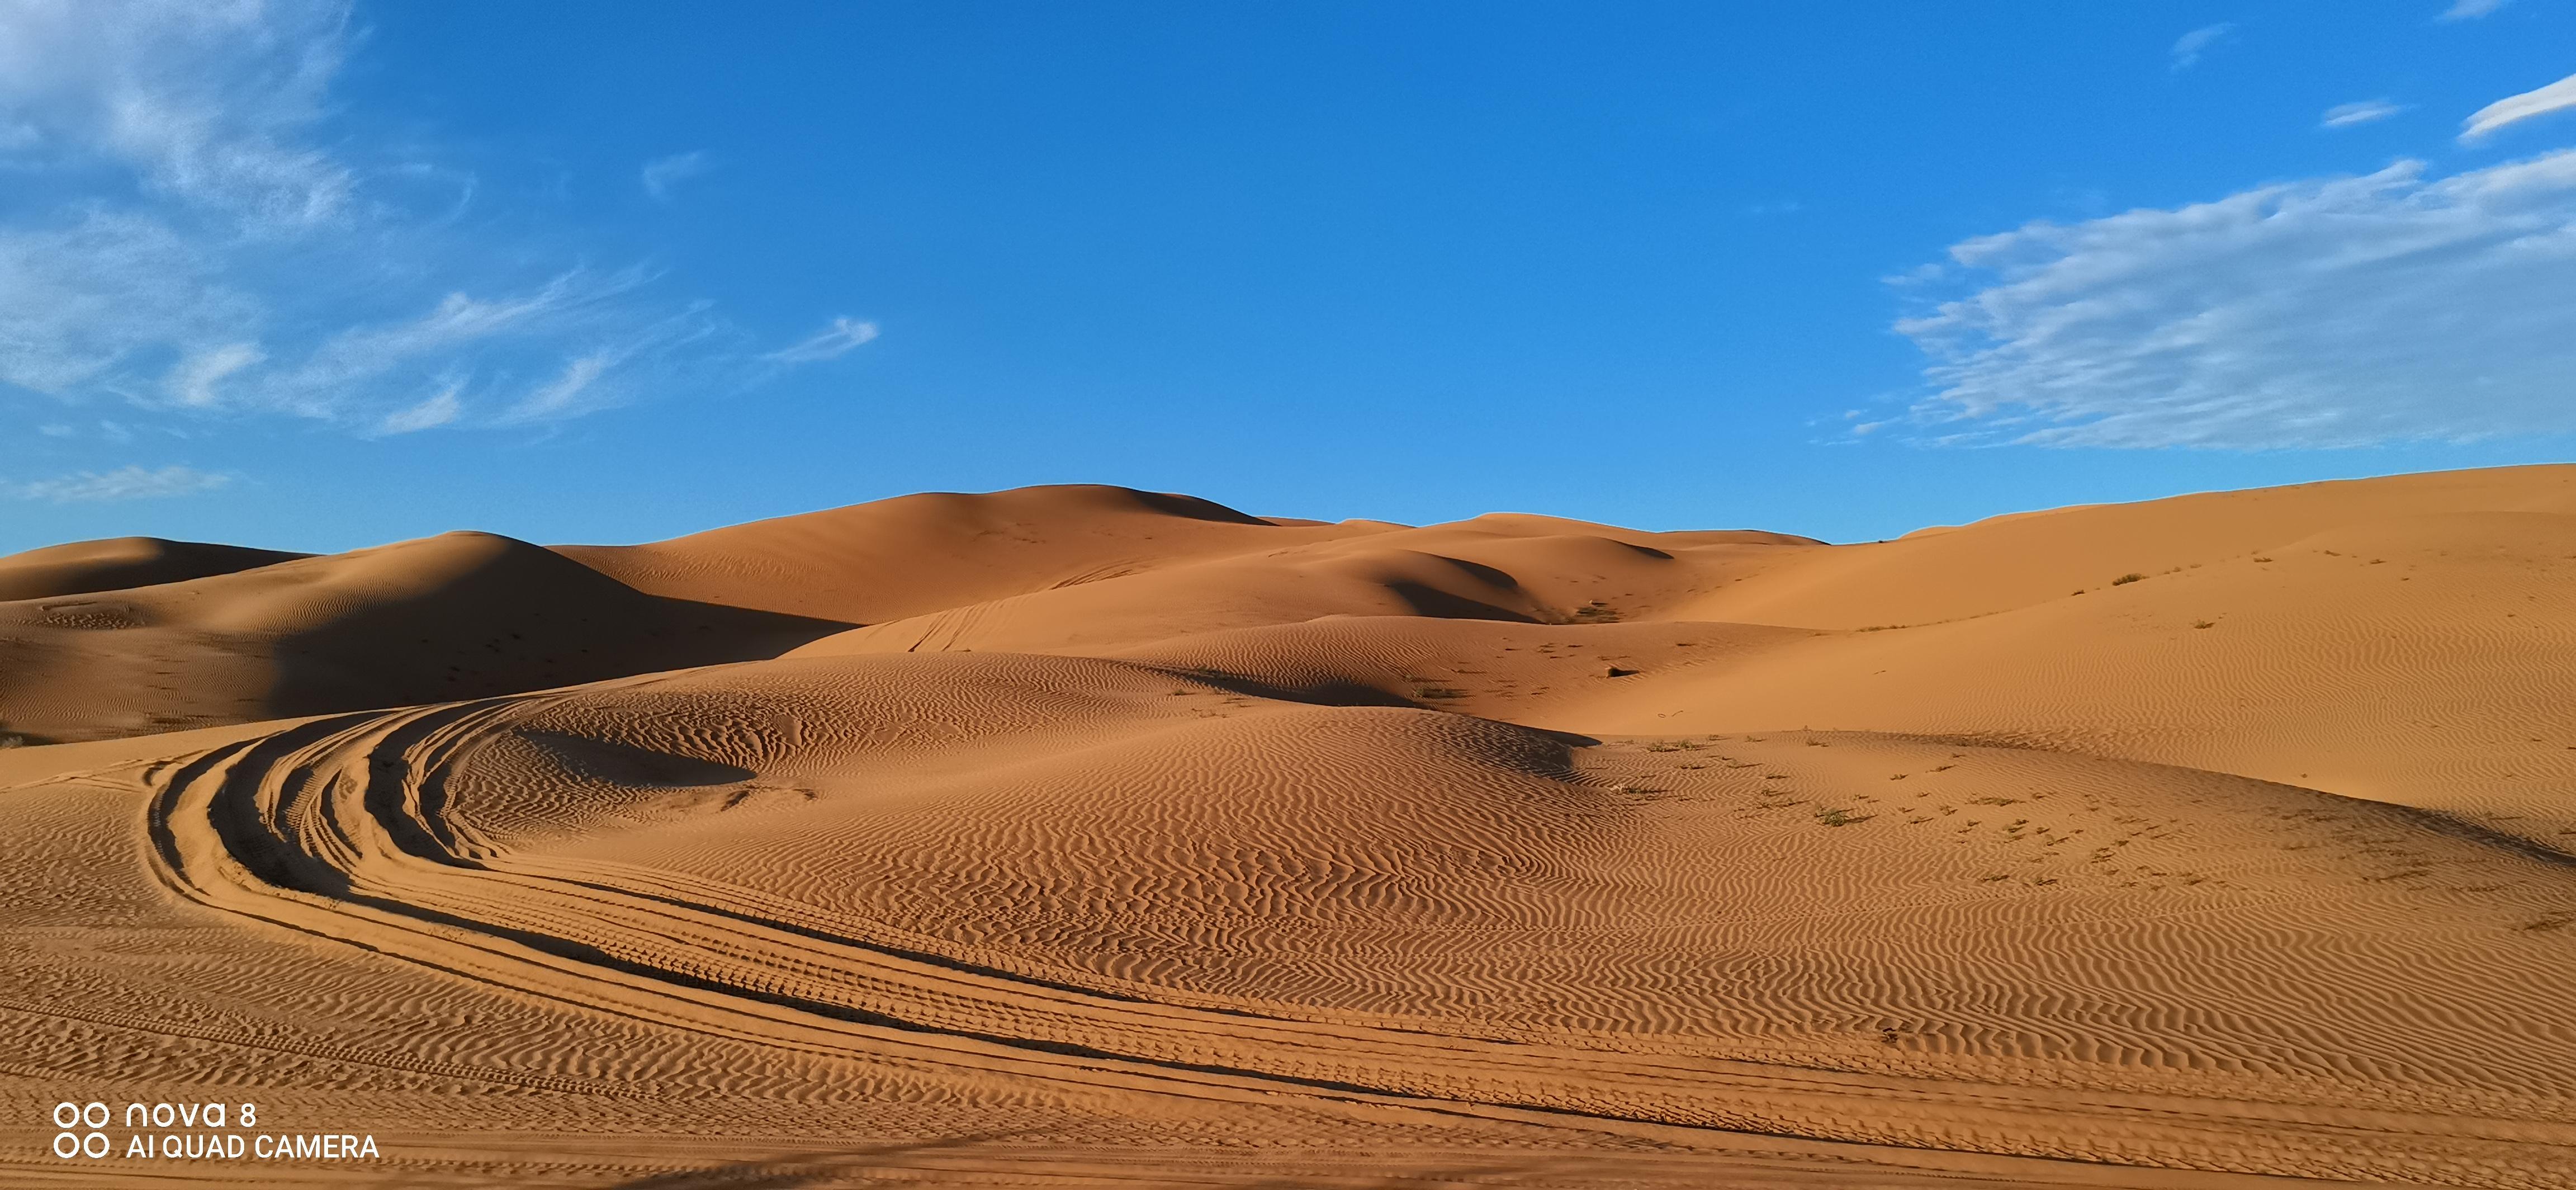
{"x": 1511, "y": 568}
{"x": 2428, "y": 660}
{"x": 2425, "y": 660}
{"x": 2015, "y": 561}
{"x": 913, "y": 554}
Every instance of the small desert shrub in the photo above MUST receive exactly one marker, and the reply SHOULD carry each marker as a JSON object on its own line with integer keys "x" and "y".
{"x": 2126, "y": 579}
{"x": 1437, "y": 692}
{"x": 1840, "y": 817}
{"x": 2204, "y": 623}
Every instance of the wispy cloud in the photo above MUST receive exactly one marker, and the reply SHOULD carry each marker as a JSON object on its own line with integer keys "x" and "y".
{"x": 2345, "y": 115}
{"x": 2188, "y": 48}
{"x": 124, "y": 483}
{"x": 208, "y": 103}
{"x": 2514, "y": 109}
{"x": 441, "y": 408}
{"x": 838, "y": 339}
{"x": 561, "y": 394}
{"x": 662, "y": 173}
{"x": 2470, "y": 10}
{"x": 2321, "y": 313}
{"x": 193, "y": 381}
{"x": 198, "y": 232}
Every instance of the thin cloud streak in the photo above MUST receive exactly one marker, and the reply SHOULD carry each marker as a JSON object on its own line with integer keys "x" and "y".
{"x": 2188, "y": 48}
{"x": 441, "y": 409}
{"x": 662, "y": 173}
{"x": 842, "y": 337}
{"x": 2345, "y": 115}
{"x": 2514, "y": 109}
{"x": 124, "y": 483}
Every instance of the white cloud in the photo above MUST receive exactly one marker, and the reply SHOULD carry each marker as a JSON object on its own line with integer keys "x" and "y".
{"x": 2513, "y": 109}
{"x": 532, "y": 328}
{"x": 89, "y": 299}
{"x": 193, "y": 381}
{"x": 124, "y": 483}
{"x": 2345, "y": 115}
{"x": 564, "y": 393}
{"x": 440, "y": 409}
{"x": 207, "y": 102}
{"x": 2470, "y": 10}
{"x": 2188, "y": 48}
{"x": 198, "y": 230}
{"x": 2319, "y": 313}
{"x": 840, "y": 338}
{"x": 662, "y": 173}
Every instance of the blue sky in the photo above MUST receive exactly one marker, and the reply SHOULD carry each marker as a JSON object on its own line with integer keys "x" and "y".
{"x": 314, "y": 275}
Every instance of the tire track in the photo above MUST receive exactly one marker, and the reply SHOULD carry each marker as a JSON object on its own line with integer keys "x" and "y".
{"x": 338, "y": 828}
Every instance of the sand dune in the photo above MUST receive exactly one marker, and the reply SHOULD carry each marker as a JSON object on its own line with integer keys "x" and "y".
{"x": 914, "y": 554}
{"x": 2016, "y": 561}
{"x": 85, "y": 566}
{"x": 1080, "y": 836}
{"x": 455, "y": 616}
{"x": 1506, "y": 568}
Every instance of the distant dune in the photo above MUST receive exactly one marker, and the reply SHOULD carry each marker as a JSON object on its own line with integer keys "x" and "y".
{"x": 86, "y": 566}
{"x": 460, "y": 615}
{"x": 1086, "y": 836}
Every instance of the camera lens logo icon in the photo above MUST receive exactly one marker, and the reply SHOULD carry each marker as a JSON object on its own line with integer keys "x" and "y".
{"x": 69, "y": 1143}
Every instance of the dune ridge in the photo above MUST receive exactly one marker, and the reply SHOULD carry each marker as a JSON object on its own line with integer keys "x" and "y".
{"x": 82, "y": 567}
{"x": 1087, "y": 836}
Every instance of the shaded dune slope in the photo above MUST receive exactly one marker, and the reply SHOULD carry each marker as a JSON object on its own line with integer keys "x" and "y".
{"x": 116, "y": 563}
{"x": 459, "y": 615}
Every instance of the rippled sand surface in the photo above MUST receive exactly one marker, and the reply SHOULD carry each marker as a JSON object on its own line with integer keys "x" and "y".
{"x": 1079, "y": 836}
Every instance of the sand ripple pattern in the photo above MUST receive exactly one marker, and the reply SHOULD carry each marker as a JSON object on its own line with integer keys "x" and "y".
{"x": 344, "y": 828}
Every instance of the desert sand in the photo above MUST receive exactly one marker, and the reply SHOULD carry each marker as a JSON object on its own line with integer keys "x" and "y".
{"x": 1086, "y": 836}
